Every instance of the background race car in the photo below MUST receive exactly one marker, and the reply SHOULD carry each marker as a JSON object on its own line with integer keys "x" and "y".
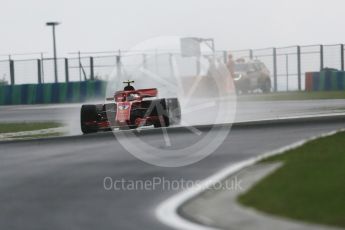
{"x": 252, "y": 75}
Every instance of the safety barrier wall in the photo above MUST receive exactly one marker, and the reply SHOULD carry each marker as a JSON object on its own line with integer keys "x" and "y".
{"x": 327, "y": 80}
{"x": 71, "y": 92}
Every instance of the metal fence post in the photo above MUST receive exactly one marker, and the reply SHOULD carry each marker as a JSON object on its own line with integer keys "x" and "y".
{"x": 145, "y": 61}
{"x": 79, "y": 64}
{"x": 287, "y": 71}
{"x": 275, "y": 69}
{"x": 66, "y": 70}
{"x": 12, "y": 72}
{"x": 171, "y": 65}
{"x": 92, "y": 73}
{"x": 342, "y": 56}
{"x": 197, "y": 65}
{"x": 156, "y": 62}
{"x": 225, "y": 57}
{"x": 118, "y": 64}
{"x": 299, "y": 64}
{"x": 39, "y": 73}
{"x": 321, "y": 57}
{"x": 42, "y": 67}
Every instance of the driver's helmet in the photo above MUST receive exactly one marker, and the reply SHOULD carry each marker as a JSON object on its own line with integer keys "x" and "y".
{"x": 128, "y": 88}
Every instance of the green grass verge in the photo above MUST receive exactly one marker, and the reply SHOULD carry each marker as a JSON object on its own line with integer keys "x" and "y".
{"x": 23, "y": 126}
{"x": 293, "y": 96}
{"x": 309, "y": 187}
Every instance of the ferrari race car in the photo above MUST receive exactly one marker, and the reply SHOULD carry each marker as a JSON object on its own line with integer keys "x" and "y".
{"x": 131, "y": 109}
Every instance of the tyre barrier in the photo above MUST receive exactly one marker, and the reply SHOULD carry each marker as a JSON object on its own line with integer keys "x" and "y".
{"x": 51, "y": 93}
{"x": 325, "y": 80}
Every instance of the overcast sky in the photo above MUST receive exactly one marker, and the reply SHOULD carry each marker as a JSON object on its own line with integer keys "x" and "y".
{"x": 97, "y": 25}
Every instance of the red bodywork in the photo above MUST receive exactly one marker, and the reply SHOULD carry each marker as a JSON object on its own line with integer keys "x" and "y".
{"x": 129, "y": 108}
{"x": 125, "y": 100}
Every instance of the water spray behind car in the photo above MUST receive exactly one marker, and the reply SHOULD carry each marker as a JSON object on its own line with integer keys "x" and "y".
{"x": 167, "y": 82}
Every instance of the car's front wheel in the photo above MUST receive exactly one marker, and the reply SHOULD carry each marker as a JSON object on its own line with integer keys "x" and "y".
{"x": 88, "y": 114}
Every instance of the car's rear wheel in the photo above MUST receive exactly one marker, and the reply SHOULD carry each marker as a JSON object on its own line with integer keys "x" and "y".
{"x": 170, "y": 114}
{"x": 173, "y": 111}
{"x": 161, "y": 123}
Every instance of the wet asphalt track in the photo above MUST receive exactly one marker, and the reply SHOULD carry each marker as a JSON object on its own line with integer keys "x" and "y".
{"x": 246, "y": 110}
{"x": 58, "y": 183}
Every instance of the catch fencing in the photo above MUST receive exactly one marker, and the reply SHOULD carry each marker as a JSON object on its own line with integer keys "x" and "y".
{"x": 287, "y": 65}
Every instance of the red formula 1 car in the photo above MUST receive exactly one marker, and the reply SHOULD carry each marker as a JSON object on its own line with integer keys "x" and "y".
{"x": 130, "y": 109}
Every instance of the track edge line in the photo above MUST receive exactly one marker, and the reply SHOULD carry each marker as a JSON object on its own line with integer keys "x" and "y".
{"x": 167, "y": 211}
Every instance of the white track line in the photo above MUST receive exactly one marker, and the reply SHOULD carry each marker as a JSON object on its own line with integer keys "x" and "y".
{"x": 167, "y": 211}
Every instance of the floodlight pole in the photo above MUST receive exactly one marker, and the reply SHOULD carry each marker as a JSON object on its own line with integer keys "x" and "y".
{"x": 53, "y": 24}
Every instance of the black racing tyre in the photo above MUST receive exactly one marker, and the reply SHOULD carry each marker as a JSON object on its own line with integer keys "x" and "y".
{"x": 88, "y": 113}
{"x": 170, "y": 112}
{"x": 159, "y": 110}
{"x": 162, "y": 123}
{"x": 173, "y": 109}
